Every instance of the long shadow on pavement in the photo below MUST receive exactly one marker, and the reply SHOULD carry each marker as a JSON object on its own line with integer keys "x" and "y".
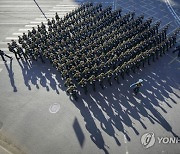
{"x": 120, "y": 105}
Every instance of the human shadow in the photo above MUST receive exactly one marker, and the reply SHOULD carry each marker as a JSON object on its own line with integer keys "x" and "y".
{"x": 41, "y": 75}
{"x": 11, "y": 75}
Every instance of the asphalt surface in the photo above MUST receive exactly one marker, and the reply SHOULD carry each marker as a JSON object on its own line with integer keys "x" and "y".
{"x": 39, "y": 118}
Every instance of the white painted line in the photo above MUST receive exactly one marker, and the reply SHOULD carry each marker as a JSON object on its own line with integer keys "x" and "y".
{"x": 172, "y": 11}
{"x": 66, "y": 8}
{"x": 125, "y": 141}
{"x": 31, "y": 26}
{"x": 172, "y": 61}
{"x": 8, "y": 152}
{"x": 25, "y": 30}
{"x": 59, "y": 10}
{"x": 41, "y": 19}
{"x": 165, "y": 25}
{"x": 11, "y": 38}
{"x": 1, "y": 69}
{"x": 21, "y": 1}
{"x": 20, "y": 12}
{"x": 3, "y": 43}
{"x": 23, "y": 6}
{"x": 4, "y": 49}
{"x": 49, "y": 15}
{"x": 52, "y": 15}
{"x": 11, "y": 23}
{"x": 173, "y": 58}
{"x": 104, "y": 2}
{"x": 38, "y": 22}
{"x": 68, "y": 5}
{"x": 18, "y": 34}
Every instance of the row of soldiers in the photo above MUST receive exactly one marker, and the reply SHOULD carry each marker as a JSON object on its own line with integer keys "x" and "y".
{"x": 91, "y": 44}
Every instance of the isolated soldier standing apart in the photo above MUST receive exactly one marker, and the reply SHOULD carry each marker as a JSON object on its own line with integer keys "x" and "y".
{"x": 3, "y": 54}
{"x": 137, "y": 85}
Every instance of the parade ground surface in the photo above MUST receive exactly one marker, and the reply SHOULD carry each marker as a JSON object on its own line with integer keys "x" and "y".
{"x": 37, "y": 117}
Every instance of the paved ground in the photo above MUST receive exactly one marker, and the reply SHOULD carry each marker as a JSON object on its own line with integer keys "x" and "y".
{"x": 108, "y": 121}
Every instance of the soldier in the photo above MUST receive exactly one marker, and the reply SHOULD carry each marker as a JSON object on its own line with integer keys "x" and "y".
{"x": 60, "y": 67}
{"x": 29, "y": 34}
{"x": 55, "y": 62}
{"x": 65, "y": 74}
{"x": 20, "y": 51}
{"x": 102, "y": 67}
{"x": 109, "y": 74}
{"x": 77, "y": 76}
{"x": 161, "y": 49}
{"x": 43, "y": 25}
{"x": 72, "y": 70}
{"x": 72, "y": 91}
{"x": 14, "y": 44}
{"x": 116, "y": 73}
{"x": 94, "y": 69}
{"x": 92, "y": 81}
{"x": 20, "y": 40}
{"x": 51, "y": 57}
{"x": 173, "y": 38}
{"x": 3, "y": 54}
{"x": 53, "y": 21}
{"x": 157, "y": 52}
{"x": 38, "y": 28}
{"x": 56, "y": 16}
{"x": 86, "y": 72}
{"x": 123, "y": 70}
{"x": 83, "y": 84}
{"x": 132, "y": 65}
{"x": 49, "y": 22}
{"x": 33, "y": 30}
{"x": 100, "y": 78}
{"x": 147, "y": 55}
{"x": 38, "y": 53}
{"x": 138, "y": 62}
{"x": 11, "y": 49}
{"x": 127, "y": 68}
{"x": 24, "y": 37}
{"x": 68, "y": 82}
{"x": 137, "y": 86}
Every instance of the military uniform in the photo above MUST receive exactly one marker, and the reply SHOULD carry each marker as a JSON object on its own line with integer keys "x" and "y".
{"x": 3, "y": 54}
{"x": 83, "y": 84}
{"x": 72, "y": 91}
{"x": 68, "y": 82}
{"x": 92, "y": 80}
{"x": 100, "y": 78}
{"x": 109, "y": 74}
